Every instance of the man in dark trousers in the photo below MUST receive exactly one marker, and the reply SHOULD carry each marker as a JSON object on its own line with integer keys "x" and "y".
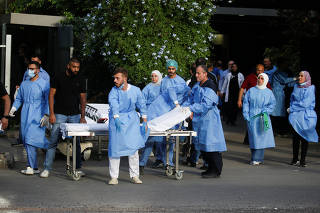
{"x": 67, "y": 93}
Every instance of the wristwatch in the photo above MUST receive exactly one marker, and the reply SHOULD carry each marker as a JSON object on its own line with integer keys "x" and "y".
{"x": 6, "y": 116}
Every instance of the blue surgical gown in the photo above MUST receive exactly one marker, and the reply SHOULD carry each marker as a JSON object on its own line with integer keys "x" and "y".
{"x": 124, "y": 103}
{"x": 302, "y": 116}
{"x": 171, "y": 90}
{"x": 33, "y": 95}
{"x": 280, "y": 80}
{"x": 258, "y": 101}
{"x": 150, "y": 93}
{"x": 206, "y": 119}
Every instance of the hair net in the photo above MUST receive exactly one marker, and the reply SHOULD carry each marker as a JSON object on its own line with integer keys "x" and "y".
{"x": 172, "y": 63}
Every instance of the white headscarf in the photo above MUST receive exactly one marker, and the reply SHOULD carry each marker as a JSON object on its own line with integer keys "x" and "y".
{"x": 159, "y": 76}
{"x": 265, "y": 82}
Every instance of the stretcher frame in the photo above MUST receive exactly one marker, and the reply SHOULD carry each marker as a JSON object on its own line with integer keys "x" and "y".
{"x": 73, "y": 173}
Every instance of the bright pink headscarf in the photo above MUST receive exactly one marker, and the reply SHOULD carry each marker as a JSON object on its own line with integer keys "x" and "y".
{"x": 307, "y": 83}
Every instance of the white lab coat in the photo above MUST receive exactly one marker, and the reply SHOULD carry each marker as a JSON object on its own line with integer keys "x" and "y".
{"x": 225, "y": 86}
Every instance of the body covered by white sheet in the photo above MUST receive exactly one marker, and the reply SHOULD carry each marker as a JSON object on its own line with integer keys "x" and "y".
{"x": 169, "y": 119}
{"x": 161, "y": 123}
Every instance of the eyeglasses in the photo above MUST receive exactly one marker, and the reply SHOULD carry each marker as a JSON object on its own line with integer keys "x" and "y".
{"x": 32, "y": 68}
{"x": 261, "y": 78}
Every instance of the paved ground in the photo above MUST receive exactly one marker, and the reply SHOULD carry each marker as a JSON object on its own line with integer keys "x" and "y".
{"x": 272, "y": 187}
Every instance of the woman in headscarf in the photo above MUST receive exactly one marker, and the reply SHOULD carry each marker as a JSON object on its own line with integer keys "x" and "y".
{"x": 150, "y": 93}
{"x": 231, "y": 86}
{"x": 302, "y": 117}
{"x": 258, "y": 103}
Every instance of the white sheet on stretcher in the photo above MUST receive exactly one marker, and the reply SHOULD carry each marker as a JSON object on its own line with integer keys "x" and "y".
{"x": 169, "y": 119}
{"x": 161, "y": 123}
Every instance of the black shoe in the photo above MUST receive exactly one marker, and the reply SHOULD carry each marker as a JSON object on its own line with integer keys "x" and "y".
{"x": 157, "y": 164}
{"x": 208, "y": 174}
{"x": 141, "y": 170}
{"x": 204, "y": 167}
{"x": 303, "y": 164}
{"x": 295, "y": 163}
{"x": 204, "y": 173}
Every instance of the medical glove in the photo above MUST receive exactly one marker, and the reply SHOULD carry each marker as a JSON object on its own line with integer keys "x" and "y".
{"x": 45, "y": 121}
{"x": 12, "y": 111}
{"x": 118, "y": 124}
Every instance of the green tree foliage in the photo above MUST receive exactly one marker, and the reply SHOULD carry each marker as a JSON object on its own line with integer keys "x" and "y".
{"x": 142, "y": 35}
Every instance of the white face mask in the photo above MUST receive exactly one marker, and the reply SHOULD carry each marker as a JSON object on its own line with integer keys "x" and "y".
{"x": 31, "y": 73}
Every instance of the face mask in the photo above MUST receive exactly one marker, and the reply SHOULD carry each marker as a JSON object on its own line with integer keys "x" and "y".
{"x": 122, "y": 85}
{"x": 31, "y": 73}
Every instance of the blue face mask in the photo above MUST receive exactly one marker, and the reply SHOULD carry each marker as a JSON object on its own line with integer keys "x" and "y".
{"x": 31, "y": 73}
{"x": 122, "y": 85}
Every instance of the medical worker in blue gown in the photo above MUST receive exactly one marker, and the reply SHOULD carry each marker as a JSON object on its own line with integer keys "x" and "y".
{"x": 33, "y": 96}
{"x": 126, "y": 136}
{"x": 206, "y": 122}
{"x": 173, "y": 92}
{"x": 258, "y": 103}
{"x": 302, "y": 117}
{"x": 281, "y": 80}
{"x": 150, "y": 93}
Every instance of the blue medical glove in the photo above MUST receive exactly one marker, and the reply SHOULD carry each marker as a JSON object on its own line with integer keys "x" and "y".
{"x": 144, "y": 132}
{"x": 118, "y": 124}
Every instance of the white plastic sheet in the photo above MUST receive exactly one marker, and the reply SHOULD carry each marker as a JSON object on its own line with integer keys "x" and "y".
{"x": 169, "y": 119}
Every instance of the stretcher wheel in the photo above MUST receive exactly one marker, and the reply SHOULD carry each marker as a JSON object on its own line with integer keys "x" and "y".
{"x": 169, "y": 171}
{"x": 179, "y": 175}
{"x": 76, "y": 176}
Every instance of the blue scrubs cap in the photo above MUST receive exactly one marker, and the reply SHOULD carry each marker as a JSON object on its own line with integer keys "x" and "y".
{"x": 172, "y": 63}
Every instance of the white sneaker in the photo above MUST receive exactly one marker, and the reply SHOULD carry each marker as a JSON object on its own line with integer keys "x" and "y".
{"x": 255, "y": 163}
{"x": 45, "y": 173}
{"x": 136, "y": 180}
{"x": 113, "y": 181}
{"x": 28, "y": 171}
{"x": 81, "y": 173}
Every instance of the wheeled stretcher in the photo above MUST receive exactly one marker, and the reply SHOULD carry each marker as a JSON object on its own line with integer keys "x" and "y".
{"x": 160, "y": 126}
{"x": 78, "y": 130}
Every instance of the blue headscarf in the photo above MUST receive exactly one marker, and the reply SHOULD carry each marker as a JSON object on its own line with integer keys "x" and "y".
{"x": 172, "y": 63}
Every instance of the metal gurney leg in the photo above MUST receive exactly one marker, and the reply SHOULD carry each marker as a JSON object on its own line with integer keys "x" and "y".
{"x": 169, "y": 168}
{"x": 179, "y": 173}
{"x": 71, "y": 170}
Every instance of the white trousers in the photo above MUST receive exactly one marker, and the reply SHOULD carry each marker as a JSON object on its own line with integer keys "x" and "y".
{"x": 114, "y": 164}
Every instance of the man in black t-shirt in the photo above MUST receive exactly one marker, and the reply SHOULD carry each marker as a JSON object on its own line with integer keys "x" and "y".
{"x": 5, "y": 98}
{"x": 67, "y": 102}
